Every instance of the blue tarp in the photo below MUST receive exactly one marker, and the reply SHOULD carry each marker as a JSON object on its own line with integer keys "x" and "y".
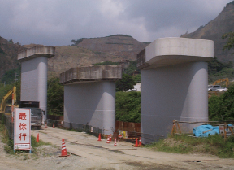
{"x": 206, "y": 130}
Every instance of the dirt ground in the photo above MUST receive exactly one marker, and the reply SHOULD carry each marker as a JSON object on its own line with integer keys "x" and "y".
{"x": 88, "y": 153}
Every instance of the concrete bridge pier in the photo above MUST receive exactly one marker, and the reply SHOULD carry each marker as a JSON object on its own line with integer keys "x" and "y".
{"x": 89, "y": 98}
{"x": 174, "y": 79}
{"x": 34, "y": 75}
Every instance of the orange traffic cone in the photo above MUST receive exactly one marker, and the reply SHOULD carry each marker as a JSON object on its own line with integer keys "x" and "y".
{"x": 99, "y": 137}
{"x": 38, "y": 137}
{"x": 64, "y": 150}
{"x": 136, "y": 143}
{"x": 115, "y": 143}
{"x": 108, "y": 140}
{"x": 140, "y": 142}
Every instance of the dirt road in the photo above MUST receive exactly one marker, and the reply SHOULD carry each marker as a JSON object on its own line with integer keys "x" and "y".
{"x": 88, "y": 153}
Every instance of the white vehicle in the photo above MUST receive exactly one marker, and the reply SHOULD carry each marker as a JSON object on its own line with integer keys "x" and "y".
{"x": 222, "y": 89}
{"x": 213, "y": 87}
{"x": 216, "y": 88}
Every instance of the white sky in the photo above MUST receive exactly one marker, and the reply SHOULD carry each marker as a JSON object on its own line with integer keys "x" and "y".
{"x": 57, "y": 22}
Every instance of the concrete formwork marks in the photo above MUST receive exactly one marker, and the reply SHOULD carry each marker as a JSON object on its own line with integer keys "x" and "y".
{"x": 92, "y": 73}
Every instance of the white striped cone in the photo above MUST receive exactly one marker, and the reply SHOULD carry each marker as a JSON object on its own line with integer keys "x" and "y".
{"x": 64, "y": 149}
{"x": 115, "y": 143}
{"x": 108, "y": 140}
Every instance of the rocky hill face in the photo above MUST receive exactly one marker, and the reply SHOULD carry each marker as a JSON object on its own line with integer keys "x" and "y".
{"x": 214, "y": 30}
{"x": 113, "y": 48}
{"x": 8, "y": 55}
{"x": 85, "y": 52}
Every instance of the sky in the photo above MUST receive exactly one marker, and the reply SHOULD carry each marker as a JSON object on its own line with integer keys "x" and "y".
{"x": 57, "y": 22}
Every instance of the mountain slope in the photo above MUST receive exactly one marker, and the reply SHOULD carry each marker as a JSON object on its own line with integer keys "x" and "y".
{"x": 8, "y": 55}
{"x": 214, "y": 30}
{"x": 94, "y": 50}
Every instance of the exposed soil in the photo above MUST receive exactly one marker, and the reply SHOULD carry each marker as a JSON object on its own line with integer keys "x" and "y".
{"x": 88, "y": 153}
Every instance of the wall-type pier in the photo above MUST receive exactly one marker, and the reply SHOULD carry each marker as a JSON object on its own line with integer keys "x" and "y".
{"x": 174, "y": 82}
{"x": 89, "y": 97}
{"x": 34, "y": 75}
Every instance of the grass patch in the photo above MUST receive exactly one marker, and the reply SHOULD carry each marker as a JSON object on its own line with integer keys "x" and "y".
{"x": 214, "y": 145}
{"x": 9, "y": 143}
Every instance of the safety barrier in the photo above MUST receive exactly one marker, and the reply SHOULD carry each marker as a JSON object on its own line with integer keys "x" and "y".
{"x": 225, "y": 129}
{"x": 84, "y": 128}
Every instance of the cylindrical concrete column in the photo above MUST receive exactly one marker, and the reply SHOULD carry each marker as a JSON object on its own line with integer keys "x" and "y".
{"x": 108, "y": 99}
{"x": 34, "y": 75}
{"x": 42, "y": 84}
{"x": 196, "y": 108}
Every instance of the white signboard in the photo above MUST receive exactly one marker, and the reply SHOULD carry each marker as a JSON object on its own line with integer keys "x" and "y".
{"x": 22, "y": 133}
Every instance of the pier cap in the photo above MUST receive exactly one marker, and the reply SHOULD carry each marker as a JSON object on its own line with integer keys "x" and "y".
{"x": 91, "y": 74}
{"x": 172, "y": 51}
{"x": 36, "y": 51}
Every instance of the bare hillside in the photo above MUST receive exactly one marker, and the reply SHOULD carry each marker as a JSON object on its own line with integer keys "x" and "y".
{"x": 94, "y": 50}
{"x": 8, "y": 55}
{"x": 214, "y": 30}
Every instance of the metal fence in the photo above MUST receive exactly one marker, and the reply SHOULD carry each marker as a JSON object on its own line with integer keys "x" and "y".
{"x": 132, "y": 128}
{"x": 84, "y": 128}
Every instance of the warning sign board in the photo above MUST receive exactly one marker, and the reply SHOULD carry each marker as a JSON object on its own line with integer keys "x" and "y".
{"x": 123, "y": 134}
{"x": 22, "y": 129}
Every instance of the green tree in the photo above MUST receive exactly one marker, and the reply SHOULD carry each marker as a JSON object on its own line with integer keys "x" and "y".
{"x": 214, "y": 108}
{"x": 128, "y": 106}
{"x": 4, "y": 89}
{"x": 76, "y": 42}
{"x": 227, "y": 105}
{"x": 230, "y": 40}
{"x": 222, "y": 107}
{"x": 107, "y": 63}
{"x": 219, "y": 70}
{"x": 125, "y": 83}
{"x": 9, "y": 76}
{"x": 54, "y": 97}
{"x": 17, "y": 85}
{"x": 137, "y": 78}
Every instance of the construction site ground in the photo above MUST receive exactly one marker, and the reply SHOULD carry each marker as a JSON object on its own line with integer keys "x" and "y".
{"x": 88, "y": 153}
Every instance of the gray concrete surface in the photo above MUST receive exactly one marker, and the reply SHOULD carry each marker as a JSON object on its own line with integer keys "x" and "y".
{"x": 90, "y": 104}
{"x": 34, "y": 75}
{"x": 89, "y": 97}
{"x": 174, "y": 79}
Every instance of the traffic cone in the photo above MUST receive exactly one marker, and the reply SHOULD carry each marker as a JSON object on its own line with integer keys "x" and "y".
{"x": 140, "y": 142}
{"x": 99, "y": 137}
{"x": 53, "y": 125}
{"x": 45, "y": 125}
{"x": 136, "y": 143}
{"x": 115, "y": 143}
{"x": 108, "y": 140}
{"x": 38, "y": 137}
{"x": 64, "y": 150}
